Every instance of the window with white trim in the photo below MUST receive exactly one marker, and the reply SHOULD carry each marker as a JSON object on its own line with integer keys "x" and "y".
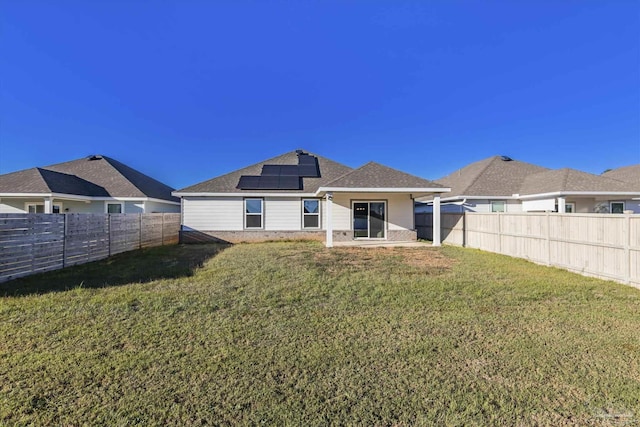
{"x": 310, "y": 213}
{"x": 253, "y": 212}
{"x": 570, "y": 207}
{"x": 39, "y": 208}
{"x": 114, "y": 208}
{"x": 616, "y": 207}
{"x": 498, "y": 206}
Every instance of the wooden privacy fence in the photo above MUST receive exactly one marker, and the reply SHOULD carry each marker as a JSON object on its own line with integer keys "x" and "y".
{"x": 599, "y": 245}
{"x": 34, "y": 243}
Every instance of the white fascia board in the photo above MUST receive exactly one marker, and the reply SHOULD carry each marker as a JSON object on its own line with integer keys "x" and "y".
{"x": 22, "y": 195}
{"x": 451, "y": 199}
{"x": 60, "y": 196}
{"x": 294, "y": 195}
{"x": 64, "y": 196}
{"x": 381, "y": 190}
{"x": 580, "y": 193}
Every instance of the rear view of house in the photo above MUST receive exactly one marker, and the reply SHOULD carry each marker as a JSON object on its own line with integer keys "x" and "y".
{"x": 94, "y": 184}
{"x": 299, "y": 195}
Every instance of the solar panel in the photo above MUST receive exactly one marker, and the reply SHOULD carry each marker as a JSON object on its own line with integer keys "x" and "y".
{"x": 282, "y": 177}
{"x": 305, "y": 159}
{"x": 270, "y": 170}
{"x": 269, "y": 182}
{"x": 290, "y": 183}
{"x": 308, "y": 171}
{"x": 249, "y": 182}
{"x": 289, "y": 170}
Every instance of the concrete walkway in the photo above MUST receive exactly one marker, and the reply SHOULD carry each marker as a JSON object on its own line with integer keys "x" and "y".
{"x": 381, "y": 244}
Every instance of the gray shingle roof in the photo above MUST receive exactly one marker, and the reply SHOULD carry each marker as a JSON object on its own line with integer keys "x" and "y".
{"x": 375, "y": 175}
{"x": 329, "y": 170}
{"x": 629, "y": 174}
{"x": 100, "y": 177}
{"x": 569, "y": 180}
{"x": 490, "y": 177}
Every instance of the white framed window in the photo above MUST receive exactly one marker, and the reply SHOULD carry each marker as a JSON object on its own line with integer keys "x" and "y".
{"x": 498, "y": 206}
{"x": 616, "y": 207}
{"x": 114, "y": 207}
{"x": 310, "y": 213}
{"x": 56, "y": 208}
{"x": 253, "y": 213}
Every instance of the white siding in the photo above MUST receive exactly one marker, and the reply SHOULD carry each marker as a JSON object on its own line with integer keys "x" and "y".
{"x": 539, "y": 205}
{"x": 281, "y": 213}
{"x": 209, "y": 214}
{"x": 133, "y": 207}
{"x": 12, "y": 206}
{"x": 153, "y": 207}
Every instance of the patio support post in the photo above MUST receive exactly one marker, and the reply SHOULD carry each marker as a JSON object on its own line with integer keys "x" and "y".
{"x": 329, "y": 230}
{"x": 562, "y": 206}
{"x": 48, "y": 205}
{"x": 436, "y": 220}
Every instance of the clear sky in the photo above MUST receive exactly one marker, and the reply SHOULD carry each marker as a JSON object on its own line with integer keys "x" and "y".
{"x": 188, "y": 90}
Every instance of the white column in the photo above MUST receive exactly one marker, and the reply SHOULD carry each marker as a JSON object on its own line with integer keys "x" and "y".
{"x": 48, "y": 205}
{"x": 329, "y": 230}
{"x": 436, "y": 220}
{"x": 562, "y": 206}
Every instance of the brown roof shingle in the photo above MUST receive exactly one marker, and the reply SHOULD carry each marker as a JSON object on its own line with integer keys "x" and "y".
{"x": 570, "y": 180}
{"x": 629, "y": 174}
{"x": 97, "y": 176}
{"x": 490, "y": 177}
{"x": 375, "y": 175}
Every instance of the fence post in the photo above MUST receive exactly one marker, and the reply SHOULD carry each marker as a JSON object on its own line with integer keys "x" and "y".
{"x": 109, "y": 233}
{"x": 626, "y": 235}
{"x": 548, "y": 237}
{"x": 499, "y": 232}
{"x": 162, "y": 230}
{"x": 140, "y": 233}
{"x": 64, "y": 242}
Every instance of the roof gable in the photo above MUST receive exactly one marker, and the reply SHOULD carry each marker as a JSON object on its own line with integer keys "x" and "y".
{"x": 375, "y": 175}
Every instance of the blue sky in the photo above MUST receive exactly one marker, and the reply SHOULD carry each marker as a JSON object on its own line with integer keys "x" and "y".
{"x": 188, "y": 90}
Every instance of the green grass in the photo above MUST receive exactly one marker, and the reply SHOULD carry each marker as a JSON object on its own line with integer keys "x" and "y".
{"x": 296, "y": 334}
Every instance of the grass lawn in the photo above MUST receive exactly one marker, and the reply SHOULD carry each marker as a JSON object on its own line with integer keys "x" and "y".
{"x": 296, "y": 334}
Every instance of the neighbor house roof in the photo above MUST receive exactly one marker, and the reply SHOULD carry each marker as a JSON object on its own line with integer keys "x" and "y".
{"x": 228, "y": 183}
{"x": 568, "y": 180}
{"x": 495, "y": 176}
{"x": 629, "y": 174}
{"x": 374, "y": 175}
{"x": 93, "y": 176}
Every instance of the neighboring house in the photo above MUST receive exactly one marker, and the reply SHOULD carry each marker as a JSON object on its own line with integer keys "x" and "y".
{"x": 94, "y": 184}
{"x": 303, "y": 196}
{"x": 501, "y": 184}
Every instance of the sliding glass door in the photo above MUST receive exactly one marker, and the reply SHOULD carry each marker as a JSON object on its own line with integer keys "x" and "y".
{"x": 369, "y": 220}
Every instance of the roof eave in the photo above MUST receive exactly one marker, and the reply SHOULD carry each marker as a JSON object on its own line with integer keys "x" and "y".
{"x": 580, "y": 193}
{"x": 412, "y": 190}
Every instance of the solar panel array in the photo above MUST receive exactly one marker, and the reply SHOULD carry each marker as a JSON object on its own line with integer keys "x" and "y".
{"x": 282, "y": 177}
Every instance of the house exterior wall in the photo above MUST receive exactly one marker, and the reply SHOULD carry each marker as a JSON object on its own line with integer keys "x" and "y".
{"x": 222, "y": 218}
{"x": 18, "y": 205}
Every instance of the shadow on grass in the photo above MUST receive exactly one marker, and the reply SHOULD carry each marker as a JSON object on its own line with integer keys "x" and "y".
{"x": 145, "y": 265}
